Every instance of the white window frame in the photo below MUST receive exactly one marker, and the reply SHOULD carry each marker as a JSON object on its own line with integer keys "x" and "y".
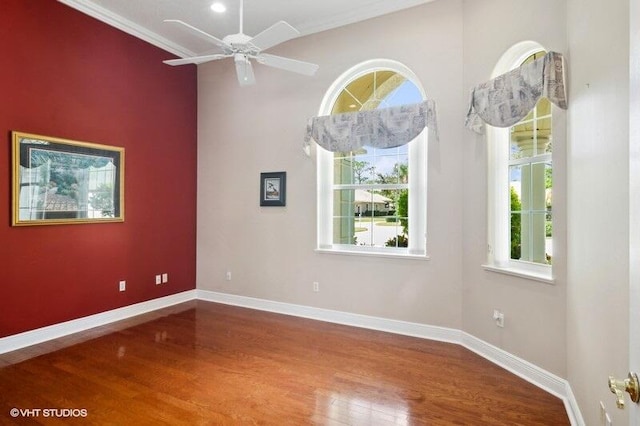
{"x": 417, "y": 176}
{"x": 499, "y": 222}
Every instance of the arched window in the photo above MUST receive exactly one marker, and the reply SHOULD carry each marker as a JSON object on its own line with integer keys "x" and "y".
{"x": 521, "y": 184}
{"x": 373, "y": 200}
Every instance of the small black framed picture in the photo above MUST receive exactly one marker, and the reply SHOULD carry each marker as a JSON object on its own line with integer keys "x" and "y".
{"x": 273, "y": 189}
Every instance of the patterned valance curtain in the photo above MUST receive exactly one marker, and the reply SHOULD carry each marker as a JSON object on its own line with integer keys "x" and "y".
{"x": 508, "y": 98}
{"x": 379, "y": 128}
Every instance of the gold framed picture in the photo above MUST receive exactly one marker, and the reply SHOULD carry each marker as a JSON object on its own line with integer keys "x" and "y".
{"x": 60, "y": 181}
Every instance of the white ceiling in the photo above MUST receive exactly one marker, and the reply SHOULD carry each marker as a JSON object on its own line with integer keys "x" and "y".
{"x": 144, "y": 18}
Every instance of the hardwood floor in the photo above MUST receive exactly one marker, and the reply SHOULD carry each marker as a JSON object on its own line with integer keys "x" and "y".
{"x": 201, "y": 363}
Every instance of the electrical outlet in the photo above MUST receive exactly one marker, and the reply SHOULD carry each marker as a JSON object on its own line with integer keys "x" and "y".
{"x": 158, "y": 279}
{"x": 316, "y": 286}
{"x": 165, "y": 278}
{"x": 228, "y": 275}
{"x": 123, "y": 285}
{"x": 498, "y": 317}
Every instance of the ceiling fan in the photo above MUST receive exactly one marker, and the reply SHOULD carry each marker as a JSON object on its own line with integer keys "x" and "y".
{"x": 243, "y": 48}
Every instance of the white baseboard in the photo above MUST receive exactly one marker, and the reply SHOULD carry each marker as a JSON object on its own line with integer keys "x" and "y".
{"x": 32, "y": 337}
{"x": 518, "y": 366}
{"x": 430, "y": 332}
{"x": 532, "y": 373}
{"x": 573, "y": 410}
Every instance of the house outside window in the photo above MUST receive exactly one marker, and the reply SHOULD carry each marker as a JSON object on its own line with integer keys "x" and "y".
{"x": 373, "y": 201}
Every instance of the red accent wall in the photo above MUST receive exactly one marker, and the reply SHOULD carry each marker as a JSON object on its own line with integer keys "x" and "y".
{"x": 67, "y": 75}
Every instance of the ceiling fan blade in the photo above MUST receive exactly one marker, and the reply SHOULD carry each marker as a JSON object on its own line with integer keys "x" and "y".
{"x": 195, "y": 59}
{"x": 287, "y": 64}
{"x": 199, "y": 33}
{"x": 244, "y": 70}
{"x": 275, "y": 34}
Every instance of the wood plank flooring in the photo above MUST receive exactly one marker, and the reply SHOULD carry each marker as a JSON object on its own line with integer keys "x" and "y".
{"x": 202, "y": 363}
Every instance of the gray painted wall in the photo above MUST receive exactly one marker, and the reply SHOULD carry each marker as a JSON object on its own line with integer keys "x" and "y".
{"x": 534, "y": 311}
{"x": 245, "y": 131}
{"x": 451, "y": 45}
{"x": 598, "y": 203}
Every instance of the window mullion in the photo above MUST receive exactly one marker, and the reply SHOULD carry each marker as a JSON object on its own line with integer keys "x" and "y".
{"x": 339, "y": 202}
{"x": 371, "y": 186}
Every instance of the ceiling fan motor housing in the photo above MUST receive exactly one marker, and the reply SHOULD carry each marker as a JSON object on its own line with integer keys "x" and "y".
{"x": 241, "y": 44}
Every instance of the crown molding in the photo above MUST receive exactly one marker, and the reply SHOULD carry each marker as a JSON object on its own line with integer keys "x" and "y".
{"x": 380, "y": 8}
{"x": 89, "y": 8}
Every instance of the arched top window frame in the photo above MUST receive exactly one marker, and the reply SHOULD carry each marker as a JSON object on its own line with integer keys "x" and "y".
{"x": 417, "y": 176}
{"x": 498, "y": 140}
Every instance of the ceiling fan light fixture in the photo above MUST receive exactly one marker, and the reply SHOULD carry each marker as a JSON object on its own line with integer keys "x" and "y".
{"x": 218, "y": 7}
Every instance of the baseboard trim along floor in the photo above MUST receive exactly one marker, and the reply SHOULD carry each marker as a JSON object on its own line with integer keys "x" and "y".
{"x": 39, "y": 335}
{"x": 520, "y": 367}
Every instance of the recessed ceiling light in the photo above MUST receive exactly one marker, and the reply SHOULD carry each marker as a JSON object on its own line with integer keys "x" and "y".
{"x": 218, "y": 7}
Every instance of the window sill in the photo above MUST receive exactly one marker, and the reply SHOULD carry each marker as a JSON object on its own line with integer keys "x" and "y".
{"x": 522, "y": 273}
{"x": 373, "y": 254}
